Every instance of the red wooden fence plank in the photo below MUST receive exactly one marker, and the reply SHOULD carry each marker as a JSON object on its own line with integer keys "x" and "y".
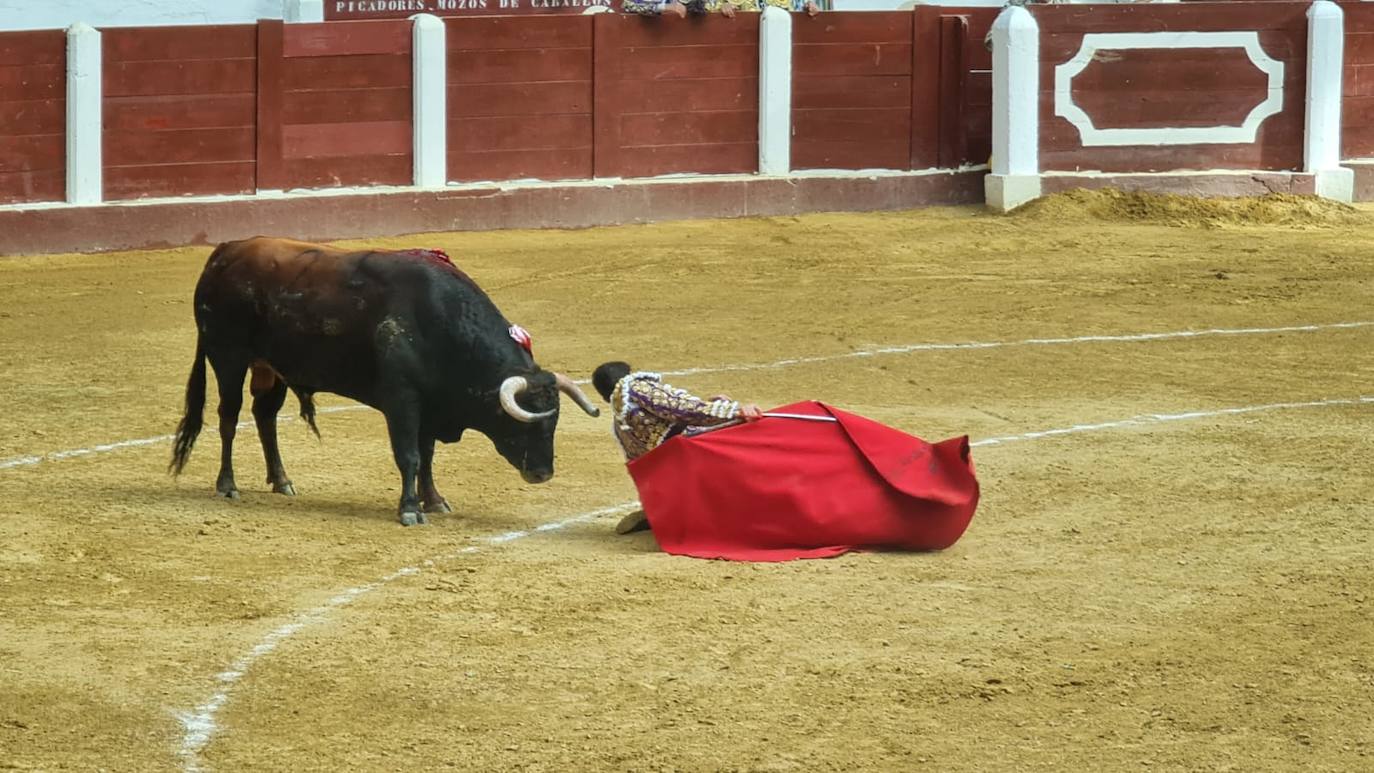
{"x": 702, "y": 159}
{"x": 47, "y": 116}
{"x": 347, "y": 72}
{"x": 180, "y": 111}
{"x": 879, "y": 126}
{"x": 1359, "y": 81}
{"x": 1359, "y": 48}
{"x": 33, "y": 47}
{"x": 520, "y": 66}
{"x": 129, "y": 182}
{"x": 868, "y": 27}
{"x": 606, "y": 98}
{"x": 735, "y": 61}
{"x": 220, "y": 41}
{"x": 690, "y": 94}
{"x": 699, "y": 128}
{"x": 503, "y": 133}
{"x": 1266, "y": 156}
{"x": 853, "y": 59}
{"x": 344, "y": 38}
{"x": 358, "y": 170}
{"x": 31, "y": 82}
{"x": 552, "y": 164}
{"x": 1359, "y": 17}
{"x": 1166, "y": 107}
{"x": 953, "y": 74}
{"x": 270, "y": 88}
{"x": 131, "y": 148}
{"x": 347, "y": 105}
{"x": 924, "y": 151}
{"x": 42, "y": 151}
{"x": 46, "y": 185}
{"x": 848, "y": 154}
{"x": 325, "y": 140}
{"x": 852, "y": 91}
{"x": 517, "y": 33}
{"x": 201, "y": 76}
{"x": 1058, "y": 134}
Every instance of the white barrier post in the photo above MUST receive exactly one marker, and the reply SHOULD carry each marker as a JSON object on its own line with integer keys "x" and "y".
{"x": 1322, "y": 127}
{"x": 775, "y": 91}
{"x": 303, "y": 11}
{"x": 85, "y": 180}
{"x": 429, "y": 61}
{"x": 1015, "y": 177}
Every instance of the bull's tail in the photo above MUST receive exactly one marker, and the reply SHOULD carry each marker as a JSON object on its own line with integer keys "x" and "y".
{"x": 307, "y": 408}
{"x": 193, "y": 419}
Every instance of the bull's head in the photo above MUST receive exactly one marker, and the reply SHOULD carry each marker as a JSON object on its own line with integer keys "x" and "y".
{"x": 530, "y": 407}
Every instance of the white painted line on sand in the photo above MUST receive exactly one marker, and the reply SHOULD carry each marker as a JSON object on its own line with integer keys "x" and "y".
{"x": 53, "y": 456}
{"x": 200, "y": 724}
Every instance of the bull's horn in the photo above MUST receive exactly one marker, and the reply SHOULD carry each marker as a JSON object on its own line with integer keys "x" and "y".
{"x": 567, "y": 387}
{"x": 509, "y": 389}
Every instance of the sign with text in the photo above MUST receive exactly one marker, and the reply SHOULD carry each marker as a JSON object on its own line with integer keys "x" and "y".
{"x": 337, "y": 10}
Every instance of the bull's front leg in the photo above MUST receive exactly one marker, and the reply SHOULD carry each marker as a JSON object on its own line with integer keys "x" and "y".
{"x": 403, "y": 425}
{"x": 433, "y": 501}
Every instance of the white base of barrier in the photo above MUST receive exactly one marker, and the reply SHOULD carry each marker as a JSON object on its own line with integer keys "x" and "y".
{"x": 1005, "y": 192}
{"x": 1337, "y": 184}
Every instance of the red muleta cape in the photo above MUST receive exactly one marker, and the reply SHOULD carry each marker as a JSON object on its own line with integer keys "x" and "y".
{"x": 779, "y": 489}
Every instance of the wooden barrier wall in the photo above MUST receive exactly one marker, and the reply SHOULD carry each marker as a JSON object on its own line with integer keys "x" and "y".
{"x": 345, "y": 98}
{"x": 1357, "y": 114}
{"x": 233, "y": 109}
{"x": 520, "y": 98}
{"x": 179, "y": 111}
{"x": 678, "y": 97}
{"x": 1160, "y": 88}
{"x": 33, "y": 116}
{"x": 892, "y": 90}
{"x": 853, "y": 90}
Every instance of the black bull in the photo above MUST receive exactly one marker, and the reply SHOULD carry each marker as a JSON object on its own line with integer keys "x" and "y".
{"x": 412, "y": 337}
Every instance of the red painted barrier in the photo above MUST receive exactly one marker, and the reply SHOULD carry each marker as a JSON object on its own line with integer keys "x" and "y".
{"x": 680, "y": 96}
{"x": 1150, "y": 88}
{"x": 520, "y": 98}
{"x": 179, "y": 111}
{"x": 33, "y": 101}
{"x": 1357, "y": 114}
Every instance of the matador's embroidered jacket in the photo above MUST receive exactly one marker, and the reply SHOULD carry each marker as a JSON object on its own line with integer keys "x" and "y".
{"x": 648, "y": 412}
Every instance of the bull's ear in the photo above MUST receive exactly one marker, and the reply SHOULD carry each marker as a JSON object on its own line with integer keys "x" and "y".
{"x": 567, "y": 387}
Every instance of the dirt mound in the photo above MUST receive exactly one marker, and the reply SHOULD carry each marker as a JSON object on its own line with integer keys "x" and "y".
{"x": 1111, "y": 205}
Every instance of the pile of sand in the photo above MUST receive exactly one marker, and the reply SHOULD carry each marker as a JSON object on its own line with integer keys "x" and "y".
{"x": 1110, "y": 205}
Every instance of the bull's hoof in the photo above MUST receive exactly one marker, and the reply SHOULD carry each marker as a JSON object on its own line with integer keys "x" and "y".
{"x": 438, "y": 507}
{"x": 232, "y": 493}
{"x": 284, "y": 488}
{"x": 413, "y": 518}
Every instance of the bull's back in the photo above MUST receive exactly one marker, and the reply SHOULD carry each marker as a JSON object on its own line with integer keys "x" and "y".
{"x": 309, "y": 311}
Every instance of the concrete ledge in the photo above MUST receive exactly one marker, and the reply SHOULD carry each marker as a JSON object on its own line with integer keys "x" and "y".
{"x": 1363, "y": 178}
{"x": 321, "y": 215}
{"x": 1208, "y": 184}
{"x": 1005, "y": 192}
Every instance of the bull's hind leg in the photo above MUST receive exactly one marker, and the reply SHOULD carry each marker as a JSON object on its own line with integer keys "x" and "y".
{"x": 269, "y": 393}
{"x": 433, "y": 501}
{"x": 403, "y": 425}
{"x": 229, "y": 376}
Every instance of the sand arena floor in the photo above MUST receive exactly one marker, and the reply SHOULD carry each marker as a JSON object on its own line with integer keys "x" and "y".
{"x": 1188, "y": 590}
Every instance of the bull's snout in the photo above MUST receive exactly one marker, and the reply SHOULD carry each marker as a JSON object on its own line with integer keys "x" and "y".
{"x": 536, "y": 476}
